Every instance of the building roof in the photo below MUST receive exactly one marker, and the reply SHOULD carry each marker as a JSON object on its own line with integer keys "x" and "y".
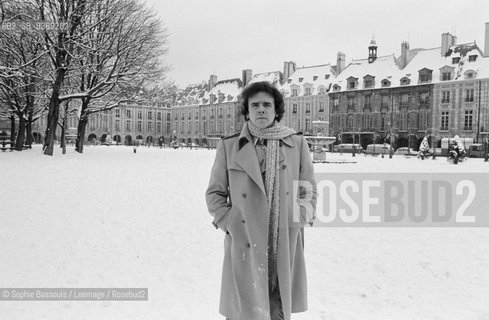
{"x": 273, "y": 77}
{"x": 316, "y": 77}
{"x": 383, "y": 68}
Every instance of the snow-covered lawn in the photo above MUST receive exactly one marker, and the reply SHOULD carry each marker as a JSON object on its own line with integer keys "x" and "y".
{"x": 114, "y": 218}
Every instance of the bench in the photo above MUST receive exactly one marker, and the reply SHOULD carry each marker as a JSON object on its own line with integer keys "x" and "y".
{"x": 4, "y": 144}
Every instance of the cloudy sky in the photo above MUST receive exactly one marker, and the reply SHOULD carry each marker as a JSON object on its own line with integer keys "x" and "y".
{"x": 223, "y": 37}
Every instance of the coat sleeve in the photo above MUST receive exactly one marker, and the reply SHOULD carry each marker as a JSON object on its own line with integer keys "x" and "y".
{"x": 308, "y": 194}
{"x": 217, "y": 193}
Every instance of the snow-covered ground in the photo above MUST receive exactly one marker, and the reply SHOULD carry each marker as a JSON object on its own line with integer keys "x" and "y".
{"x": 113, "y": 218}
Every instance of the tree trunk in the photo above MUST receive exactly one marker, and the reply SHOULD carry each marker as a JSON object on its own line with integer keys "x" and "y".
{"x": 53, "y": 114}
{"x": 28, "y": 129}
{"x": 80, "y": 136}
{"x": 12, "y": 128}
{"x": 19, "y": 143}
{"x": 82, "y": 125}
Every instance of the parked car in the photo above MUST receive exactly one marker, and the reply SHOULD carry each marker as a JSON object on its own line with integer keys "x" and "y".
{"x": 405, "y": 151}
{"x": 348, "y": 148}
{"x": 476, "y": 150}
{"x": 378, "y": 148}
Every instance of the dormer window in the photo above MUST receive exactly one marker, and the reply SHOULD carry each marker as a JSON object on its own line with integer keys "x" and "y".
{"x": 368, "y": 81}
{"x": 294, "y": 90}
{"x": 314, "y": 78}
{"x": 425, "y": 75}
{"x": 470, "y": 74}
{"x": 472, "y": 58}
{"x": 336, "y": 87}
{"x": 447, "y": 73}
{"x": 322, "y": 90}
{"x": 352, "y": 83}
{"x": 289, "y": 80}
{"x": 455, "y": 60}
{"x": 405, "y": 81}
{"x": 386, "y": 83}
{"x": 300, "y": 79}
{"x": 307, "y": 91}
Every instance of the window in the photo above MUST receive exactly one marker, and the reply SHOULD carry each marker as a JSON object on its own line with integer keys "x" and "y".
{"x": 314, "y": 78}
{"x": 128, "y": 125}
{"x": 385, "y": 101}
{"x": 158, "y": 127}
{"x": 117, "y": 113}
{"x": 382, "y": 121}
{"x": 336, "y": 102}
{"x": 308, "y": 91}
{"x": 386, "y": 83}
{"x": 150, "y": 115}
{"x": 445, "y": 76}
{"x": 321, "y": 106}
{"x": 300, "y": 79}
{"x": 405, "y": 100}
{"x": 140, "y": 126}
{"x": 468, "y": 120}
{"x": 117, "y": 125}
{"x": 150, "y": 127}
{"x": 128, "y": 113}
{"x": 168, "y": 117}
{"x": 424, "y": 98}
{"x": 294, "y": 92}
{"x": 405, "y": 81}
{"x": 351, "y": 103}
{"x": 322, "y": 90}
{"x": 140, "y": 114}
{"x": 425, "y": 76}
{"x": 445, "y": 96}
{"x": 308, "y": 107}
{"x": 158, "y": 116}
{"x": 369, "y": 83}
{"x": 326, "y": 77}
{"x": 469, "y": 95}
{"x": 472, "y": 58}
{"x": 455, "y": 60}
{"x": 444, "y": 120}
{"x": 469, "y": 75}
{"x": 349, "y": 122}
{"x": 351, "y": 84}
{"x": 294, "y": 108}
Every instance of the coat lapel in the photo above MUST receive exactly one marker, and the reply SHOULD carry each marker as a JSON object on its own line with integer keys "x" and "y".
{"x": 247, "y": 159}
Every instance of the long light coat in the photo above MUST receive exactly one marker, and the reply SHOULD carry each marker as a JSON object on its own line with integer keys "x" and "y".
{"x": 236, "y": 199}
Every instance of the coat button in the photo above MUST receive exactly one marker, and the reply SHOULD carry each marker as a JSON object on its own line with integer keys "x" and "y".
{"x": 248, "y": 245}
{"x": 284, "y": 166}
{"x": 244, "y": 195}
{"x": 287, "y": 193}
{"x": 281, "y": 143}
{"x": 242, "y": 220}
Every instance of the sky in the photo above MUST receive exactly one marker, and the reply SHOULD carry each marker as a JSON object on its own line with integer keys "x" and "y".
{"x": 223, "y": 37}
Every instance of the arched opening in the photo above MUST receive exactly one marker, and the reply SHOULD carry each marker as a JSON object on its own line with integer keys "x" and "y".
{"x": 128, "y": 140}
{"x": 92, "y": 137}
{"x": 197, "y": 142}
{"x": 149, "y": 139}
{"x": 189, "y": 140}
{"x": 204, "y": 142}
{"x": 117, "y": 139}
{"x": 103, "y": 138}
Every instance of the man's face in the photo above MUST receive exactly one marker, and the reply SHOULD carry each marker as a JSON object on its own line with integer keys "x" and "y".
{"x": 261, "y": 109}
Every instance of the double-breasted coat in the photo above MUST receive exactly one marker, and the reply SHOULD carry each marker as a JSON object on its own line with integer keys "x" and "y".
{"x": 237, "y": 200}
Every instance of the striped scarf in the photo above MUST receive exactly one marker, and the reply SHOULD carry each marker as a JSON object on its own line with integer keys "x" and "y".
{"x": 272, "y": 188}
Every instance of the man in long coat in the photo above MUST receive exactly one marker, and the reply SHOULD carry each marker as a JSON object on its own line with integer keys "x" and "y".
{"x": 237, "y": 200}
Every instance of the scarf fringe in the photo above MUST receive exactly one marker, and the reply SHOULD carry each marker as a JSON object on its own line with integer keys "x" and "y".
{"x": 272, "y": 189}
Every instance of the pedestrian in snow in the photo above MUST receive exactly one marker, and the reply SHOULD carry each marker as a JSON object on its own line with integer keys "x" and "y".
{"x": 251, "y": 198}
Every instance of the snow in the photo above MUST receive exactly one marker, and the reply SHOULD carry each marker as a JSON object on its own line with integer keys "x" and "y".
{"x": 114, "y": 218}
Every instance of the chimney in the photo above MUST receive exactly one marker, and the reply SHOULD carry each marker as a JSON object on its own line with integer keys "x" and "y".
{"x": 289, "y": 69}
{"x": 404, "y": 54}
{"x": 340, "y": 62}
{"x": 486, "y": 41}
{"x": 246, "y": 77}
{"x": 447, "y": 40}
{"x": 212, "y": 81}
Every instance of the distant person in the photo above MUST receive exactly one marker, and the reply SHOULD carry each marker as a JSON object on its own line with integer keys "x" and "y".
{"x": 250, "y": 198}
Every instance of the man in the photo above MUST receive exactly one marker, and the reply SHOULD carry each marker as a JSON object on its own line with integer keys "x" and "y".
{"x": 252, "y": 193}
